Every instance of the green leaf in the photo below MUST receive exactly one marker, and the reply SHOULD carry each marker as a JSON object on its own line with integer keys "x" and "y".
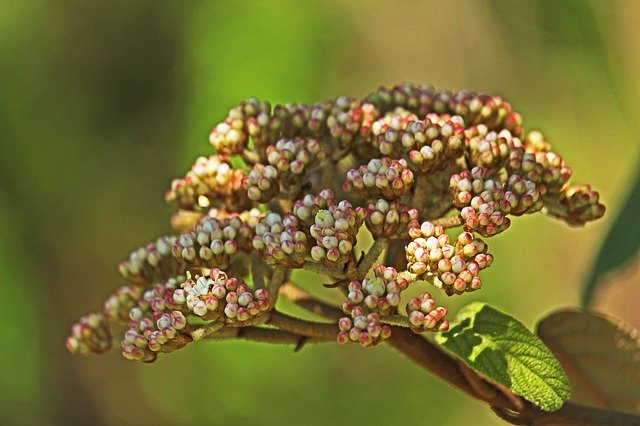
{"x": 622, "y": 242}
{"x": 601, "y": 355}
{"x": 503, "y": 349}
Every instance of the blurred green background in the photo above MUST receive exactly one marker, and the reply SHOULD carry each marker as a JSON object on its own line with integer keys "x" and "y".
{"x": 103, "y": 103}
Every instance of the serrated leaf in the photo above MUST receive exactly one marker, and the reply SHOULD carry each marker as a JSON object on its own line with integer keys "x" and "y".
{"x": 502, "y": 348}
{"x": 600, "y": 354}
{"x": 622, "y": 243}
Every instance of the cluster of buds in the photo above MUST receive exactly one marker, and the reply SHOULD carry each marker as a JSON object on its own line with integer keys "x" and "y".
{"x": 350, "y": 121}
{"x": 280, "y": 240}
{"x": 546, "y": 169}
{"x": 216, "y": 296}
{"x": 213, "y": 242}
{"x": 484, "y": 202}
{"x": 211, "y": 182}
{"x": 249, "y": 119}
{"x": 581, "y": 204}
{"x": 474, "y": 108}
{"x": 262, "y": 183}
{"x": 295, "y": 183}
{"x": 389, "y": 219}
{"x": 91, "y": 334}
{"x": 335, "y": 233}
{"x": 151, "y": 263}
{"x": 306, "y": 208}
{"x": 117, "y": 306}
{"x": 489, "y": 149}
{"x": 432, "y": 143}
{"x": 153, "y": 333}
{"x": 456, "y": 266}
{"x": 293, "y": 157}
{"x": 424, "y": 315}
{"x": 392, "y": 122}
{"x": 379, "y": 294}
{"x": 367, "y": 301}
{"x": 384, "y": 177}
{"x": 361, "y": 328}
{"x": 155, "y": 323}
{"x": 157, "y": 298}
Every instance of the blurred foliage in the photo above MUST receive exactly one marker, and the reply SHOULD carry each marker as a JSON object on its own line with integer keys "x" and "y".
{"x": 101, "y": 104}
{"x": 599, "y": 353}
{"x": 620, "y": 247}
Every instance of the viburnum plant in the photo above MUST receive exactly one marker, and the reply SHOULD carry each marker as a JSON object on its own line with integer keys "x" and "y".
{"x": 431, "y": 175}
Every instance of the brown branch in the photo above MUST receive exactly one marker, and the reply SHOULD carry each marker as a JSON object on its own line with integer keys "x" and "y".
{"x": 395, "y": 255}
{"x": 448, "y": 221}
{"x": 397, "y": 320}
{"x": 446, "y": 367}
{"x": 295, "y": 294}
{"x": 505, "y": 404}
{"x": 441, "y": 207}
{"x": 303, "y": 327}
{"x": 420, "y": 191}
{"x": 266, "y": 335}
{"x": 379, "y": 245}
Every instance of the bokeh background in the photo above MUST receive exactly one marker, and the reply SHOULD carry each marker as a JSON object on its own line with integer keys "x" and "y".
{"x": 103, "y": 103}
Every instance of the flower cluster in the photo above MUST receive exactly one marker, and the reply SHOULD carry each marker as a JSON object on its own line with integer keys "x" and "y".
{"x": 117, "y": 306}
{"x": 430, "y": 144}
{"x": 379, "y": 294}
{"x": 151, "y": 263}
{"x": 217, "y": 296}
{"x": 249, "y": 119}
{"x": 90, "y": 334}
{"x": 456, "y": 265}
{"x": 335, "y": 233}
{"x": 485, "y": 202}
{"x": 213, "y": 242}
{"x": 292, "y": 157}
{"x": 211, "y": 182}
{"x": 389, "y": 219}
{"x": 280, "y": 240}
{"x": 150, "y": 334}
{"x": 361, "y": 328}
{"x": 155, "y": 322}
{"x": 306, "y": 208}
{"x": 424, "y": 315}
{"x": 290, "y": 187}
{"x": 378, "y": 297}
{"x": 384, "y": 177}
{"x": 488, "y": 149}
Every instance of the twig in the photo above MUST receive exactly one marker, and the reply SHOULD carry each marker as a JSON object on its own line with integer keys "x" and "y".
{"x": 395, "y": 255}
{"x": 303, "y": 327}
{"x": 258, "y": 270}
{"x": 445, "y": 366}
{"x": 420, "y": 191}
{"x": 265, "y": 335}
{"x": 486, "y": 392}
{"x": 372, "y": 255}
{"x": 448, "y": 221}
{"x": 441, "y": 207}
{"x": 277, "y": 278}
{"x": 398, "y": 320}
{"x": 206, "y": 329}
{"x": 295, "y": 294}
{"x": 319, "y": 268}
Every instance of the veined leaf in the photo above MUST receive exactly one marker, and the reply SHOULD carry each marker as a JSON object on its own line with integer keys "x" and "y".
{"x": 502, "y": 348}
{"x": 601, "y": 355}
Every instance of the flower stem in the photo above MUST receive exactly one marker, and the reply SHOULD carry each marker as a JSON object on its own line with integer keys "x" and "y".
{"x": 372, "y": 255}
